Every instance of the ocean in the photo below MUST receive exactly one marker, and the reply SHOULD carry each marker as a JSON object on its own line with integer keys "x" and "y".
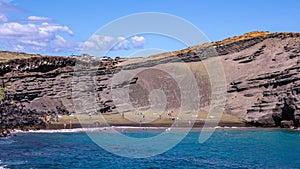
{"x": 226, "y": 148}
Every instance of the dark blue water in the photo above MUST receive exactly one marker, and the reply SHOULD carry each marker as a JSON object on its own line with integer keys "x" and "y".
{"x": 248, "y": 148}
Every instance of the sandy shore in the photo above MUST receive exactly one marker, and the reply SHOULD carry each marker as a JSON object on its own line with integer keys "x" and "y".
{"x": 144, "y": 120}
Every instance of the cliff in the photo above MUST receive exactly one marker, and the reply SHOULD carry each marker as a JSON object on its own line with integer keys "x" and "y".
{"x": 262, "y": 74}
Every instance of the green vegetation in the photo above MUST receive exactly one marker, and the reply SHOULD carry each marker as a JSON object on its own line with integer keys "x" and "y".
{"x": 64, "y": 108}
{"x": 1, "y": 93}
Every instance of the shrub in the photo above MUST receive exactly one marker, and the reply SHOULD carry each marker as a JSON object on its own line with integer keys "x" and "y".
{"x": 1, "y": 93}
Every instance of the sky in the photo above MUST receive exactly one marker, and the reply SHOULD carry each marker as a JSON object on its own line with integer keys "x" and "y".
{"x": 65, "y": 27}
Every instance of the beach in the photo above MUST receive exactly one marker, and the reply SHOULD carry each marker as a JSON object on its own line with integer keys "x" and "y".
{"x": 88, "y": 121}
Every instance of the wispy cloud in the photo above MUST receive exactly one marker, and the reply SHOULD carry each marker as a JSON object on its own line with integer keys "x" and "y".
{"x": 121, "y": 44}
{"x": 3, "y": 17}
{"x": 39, "y": 18}
{"x": 5, "y": 6}
{"x": 6, "y": 1}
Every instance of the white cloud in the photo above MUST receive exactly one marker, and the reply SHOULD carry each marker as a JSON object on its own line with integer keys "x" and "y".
{"x": 43, "y": 37}
{"x": 138, "y": 41}
{"x": 39, "y": 18}
{"x": 97, "y": 42}
{"x": 61, "y": 44}
{"x": 12, "y": 30}
{"x": 41, "y": 34}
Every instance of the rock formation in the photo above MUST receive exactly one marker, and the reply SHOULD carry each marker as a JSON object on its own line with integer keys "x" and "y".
{"x": 262, "y": 73}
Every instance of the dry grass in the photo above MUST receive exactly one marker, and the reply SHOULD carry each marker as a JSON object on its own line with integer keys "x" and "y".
{"x": 222, "y": 42}
{"x": 7, "y": 56}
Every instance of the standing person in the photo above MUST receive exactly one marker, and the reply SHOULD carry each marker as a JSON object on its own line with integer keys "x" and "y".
{"x": 45, "y": 118}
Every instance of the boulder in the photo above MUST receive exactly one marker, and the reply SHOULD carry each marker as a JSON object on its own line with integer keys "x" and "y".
{"x": 287, "y": 124}
{"x": 297, "y": 118}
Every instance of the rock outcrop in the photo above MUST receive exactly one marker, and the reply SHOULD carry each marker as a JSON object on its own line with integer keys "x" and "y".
{"x": 262, "y": 73}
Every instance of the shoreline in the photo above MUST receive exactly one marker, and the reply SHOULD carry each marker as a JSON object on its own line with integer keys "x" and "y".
{"x": 77, "y": 127}
{"x": 126, "y": 128}
{"x": 80, "y": 123}
{"x": 108, "y": 120}
{"x": 122, "y": 129}
{"x": 58, "y": 126}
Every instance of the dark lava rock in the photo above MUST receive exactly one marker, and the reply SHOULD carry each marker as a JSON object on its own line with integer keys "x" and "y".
{"x": 287, "y": 124}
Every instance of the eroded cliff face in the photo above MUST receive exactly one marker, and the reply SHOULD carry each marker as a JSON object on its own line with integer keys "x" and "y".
{"x": 36, "y": 87}
{"x": 45, "y": 83}
{"x": 263, "y": 81}
{"x": 262, "y": 73}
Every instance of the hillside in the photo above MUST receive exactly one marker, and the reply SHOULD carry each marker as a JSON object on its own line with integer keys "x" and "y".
{"x": 7, "y": 56}
{"x": 261, "y": 68}
{"x": 262, "y": 73}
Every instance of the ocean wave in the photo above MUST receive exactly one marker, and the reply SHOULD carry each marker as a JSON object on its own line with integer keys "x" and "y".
{"x": 12, "y": 163}
{"x": 2, "y": 166}
{"x": 6, "y": 140}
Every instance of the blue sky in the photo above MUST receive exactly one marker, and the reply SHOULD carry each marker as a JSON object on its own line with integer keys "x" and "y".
{"x": 66, "y": 25}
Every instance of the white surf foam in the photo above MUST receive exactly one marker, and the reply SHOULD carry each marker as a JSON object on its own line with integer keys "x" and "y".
{"x": 139, "y": 128}
{"x": 233, "y": 127}
{"x": 78, "y": 130}
{"x": 2, "y": 166}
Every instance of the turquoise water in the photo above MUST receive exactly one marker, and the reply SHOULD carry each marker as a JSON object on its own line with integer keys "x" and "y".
{"x": 227, "y": 148}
